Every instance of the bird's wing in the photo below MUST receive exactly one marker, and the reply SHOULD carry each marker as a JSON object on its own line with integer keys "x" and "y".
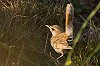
{"x": 63, "y": 45}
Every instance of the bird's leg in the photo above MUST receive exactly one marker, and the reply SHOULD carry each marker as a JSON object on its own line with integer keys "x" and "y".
{"x": 51, "y": 55}
{"x": 55, "y": 60}
{"x": 67, "y": 47}
{"x": 60, "y": 55}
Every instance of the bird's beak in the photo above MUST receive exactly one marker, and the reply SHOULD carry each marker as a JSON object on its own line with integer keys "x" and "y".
{"x": 47, "y": 26}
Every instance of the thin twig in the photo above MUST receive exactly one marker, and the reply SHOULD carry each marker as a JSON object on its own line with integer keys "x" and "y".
{"x": 46, "y": 43}
{"x": 20, "y": 54}
{"x": 6, "y": 64}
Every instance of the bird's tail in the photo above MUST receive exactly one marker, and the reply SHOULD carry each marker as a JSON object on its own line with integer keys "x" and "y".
{"x": 69, "y": 20}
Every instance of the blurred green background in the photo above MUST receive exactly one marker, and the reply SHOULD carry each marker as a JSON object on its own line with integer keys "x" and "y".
{"x": 24, "y": 39}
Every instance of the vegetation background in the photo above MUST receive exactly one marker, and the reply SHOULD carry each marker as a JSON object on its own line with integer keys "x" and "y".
{"x": 24, "y": 39}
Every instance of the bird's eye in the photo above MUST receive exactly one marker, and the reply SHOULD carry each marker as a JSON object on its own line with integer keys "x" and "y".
{"x": 53, "y": 29}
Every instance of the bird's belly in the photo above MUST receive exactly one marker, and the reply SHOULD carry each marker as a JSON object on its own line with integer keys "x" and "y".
{"x": 56, "y": 49}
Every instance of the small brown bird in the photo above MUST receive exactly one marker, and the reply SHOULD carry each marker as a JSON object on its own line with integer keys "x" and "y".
{"x": 58, "y": 39}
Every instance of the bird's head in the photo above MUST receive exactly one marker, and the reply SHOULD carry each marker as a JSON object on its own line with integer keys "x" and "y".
{"x": 55, "y": 29}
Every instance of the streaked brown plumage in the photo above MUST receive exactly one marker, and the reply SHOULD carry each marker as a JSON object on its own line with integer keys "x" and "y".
{"x": 58, "y": 39}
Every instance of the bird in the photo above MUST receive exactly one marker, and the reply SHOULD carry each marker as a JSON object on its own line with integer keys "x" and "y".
{"x": 59, "y": 40}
